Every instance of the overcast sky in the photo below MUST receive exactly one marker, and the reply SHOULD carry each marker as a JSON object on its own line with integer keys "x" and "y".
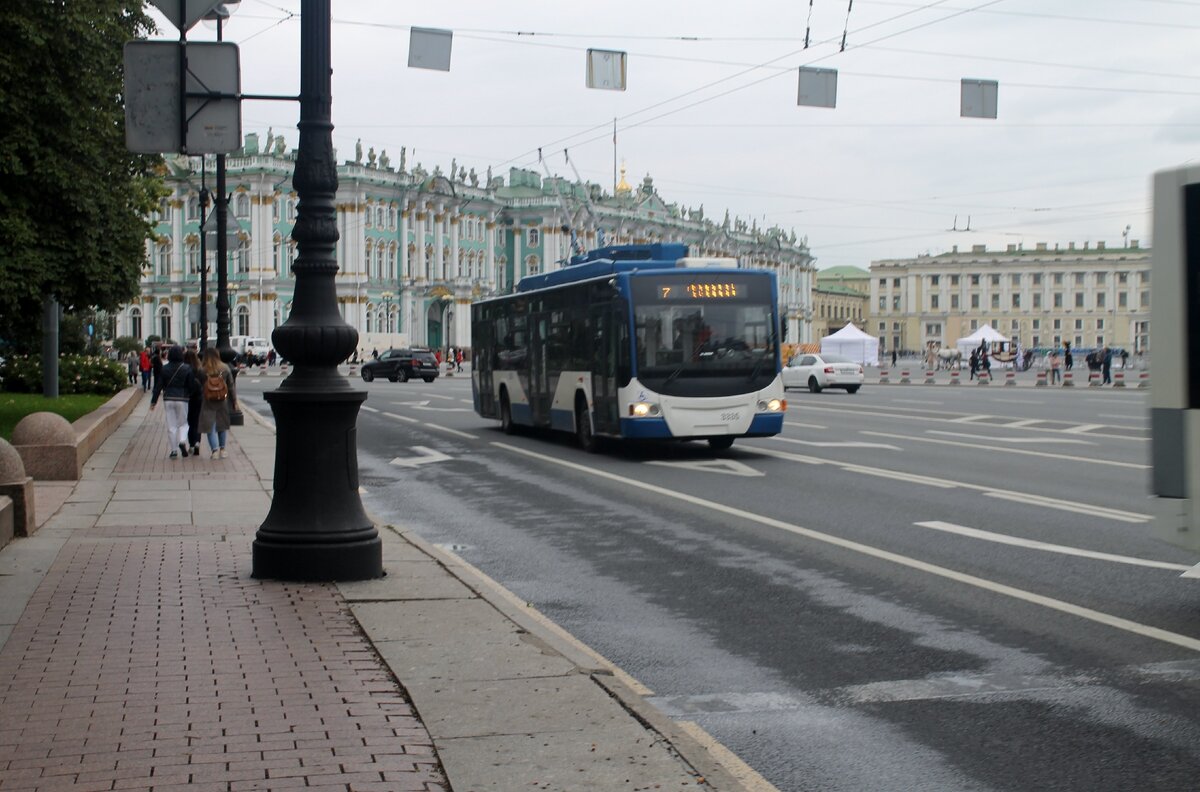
{"x": 1094, "y": 96}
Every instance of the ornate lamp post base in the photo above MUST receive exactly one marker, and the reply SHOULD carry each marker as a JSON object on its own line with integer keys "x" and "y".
{"x": 328, "y": 537}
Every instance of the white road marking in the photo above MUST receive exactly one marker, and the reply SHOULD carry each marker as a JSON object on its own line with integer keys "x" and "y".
{"x": 805, "y": 426}
{"x": 421, "y": 403}
{"x": 1055, "y": 440}
{"x": 1193, "y": 572}
{"x": 441, "y": 409}
{"x": 1078, "y": 508}
{"x": 945, "y": 420}
{"x": 401, "y": 417}
{"x": 427, "y": 455}
{"x": 1033, "y": 544}
{"x": 440, "y": 396}
{"x": 1026, "y": 452}
{"x": 914, "y": 401}
{"x": 996, "y": 492}
{"x": 1082, "y": 428}
{"x": 728, "y": 466}
{"x": 1125, "y": 418}
{"x": 448, "y": 430}
{"x": 370, "y": 409}
{"x": 1051, "y": 603}
{"x": 837, "y": 444}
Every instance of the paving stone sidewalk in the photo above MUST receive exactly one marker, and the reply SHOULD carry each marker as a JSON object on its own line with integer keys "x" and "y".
{"x": 137, "y": 653}
{"x": 147, "y": 659}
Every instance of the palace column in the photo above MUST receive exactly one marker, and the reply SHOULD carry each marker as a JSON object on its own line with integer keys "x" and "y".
{"x": 439, "y": 264}
{"x": 490, "y": 247}
{"x": 455, "y": 265}
{"x": 421, "y": 273}
{"x": 403, "y": 273}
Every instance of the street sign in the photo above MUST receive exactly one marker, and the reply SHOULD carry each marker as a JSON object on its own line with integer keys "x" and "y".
{"x": 153, "y": 95}
{"x": 606, "y": 69}
{"x": 429, "y": 48}
{"x": 185, "y": 13}
{"x": 817, "y": 88}
{"x": 978, "y": 98}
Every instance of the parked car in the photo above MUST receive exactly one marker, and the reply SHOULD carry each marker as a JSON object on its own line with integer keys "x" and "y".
{"x": 817, "y": 372}
{"x": 401, "y": 365}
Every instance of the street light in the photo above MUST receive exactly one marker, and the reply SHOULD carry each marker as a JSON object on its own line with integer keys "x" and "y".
{"x": 317, "y": 528}
{"x": 387, "y": 311}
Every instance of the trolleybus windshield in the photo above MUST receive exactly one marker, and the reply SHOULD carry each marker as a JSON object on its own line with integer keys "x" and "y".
{"x": 715, "y": 325}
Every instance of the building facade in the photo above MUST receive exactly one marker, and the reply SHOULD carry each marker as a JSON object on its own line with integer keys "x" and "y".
{"x": 416, "y": 247}
{"x": 841, "y": 296}
{"x": 1088, "y": 296}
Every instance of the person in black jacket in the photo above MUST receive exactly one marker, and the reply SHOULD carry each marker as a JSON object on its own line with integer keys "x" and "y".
{"x": 175, "y": 385}
{"x": 194, "y": 402}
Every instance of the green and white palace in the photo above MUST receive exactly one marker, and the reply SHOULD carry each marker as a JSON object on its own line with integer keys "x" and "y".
{"x": 416, "y": 247}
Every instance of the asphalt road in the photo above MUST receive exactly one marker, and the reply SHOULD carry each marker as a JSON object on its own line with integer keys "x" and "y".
{"x": 912, "y": 588}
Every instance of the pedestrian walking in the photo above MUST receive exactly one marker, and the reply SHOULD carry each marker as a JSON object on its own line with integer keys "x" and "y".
{"x": 132, "y": 364}
{"x": 194, "y": 401}
{"x": 1055, "y": 367}
{"x": 458, "y": 358}
{"x": 219, "y": 400}
{"x": 1068, "y": 360}
{"x": 974, "y": 362}
{"x": 175, "y": 386}
{"x": 271, "y": 357}
{"x": 158, "y": 357}
{"x": 893, "y": 358}
{"x": 144, "y": 366}
{"x": 1106, "y": 357}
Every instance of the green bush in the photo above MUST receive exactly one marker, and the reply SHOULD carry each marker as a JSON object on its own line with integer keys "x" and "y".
{"x": 127, "y": 344}
{"x": 76, "y": 374}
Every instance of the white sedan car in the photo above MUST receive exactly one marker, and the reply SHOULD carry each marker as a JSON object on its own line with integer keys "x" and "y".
{"x": 816, "y": 372}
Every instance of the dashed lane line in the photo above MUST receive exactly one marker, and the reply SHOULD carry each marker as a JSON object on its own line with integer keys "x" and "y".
{"x": 1051, "y": 603}
{"x": 1033, "y": 544}
{"x": 1022, "y": 451}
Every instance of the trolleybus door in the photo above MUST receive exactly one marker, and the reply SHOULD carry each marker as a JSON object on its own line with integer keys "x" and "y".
{"x": 539, "y": 385}
{"x": 604, "y": 369}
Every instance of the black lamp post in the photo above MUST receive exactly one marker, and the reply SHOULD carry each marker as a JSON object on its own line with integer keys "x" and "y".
{"x": 317, "y": 528}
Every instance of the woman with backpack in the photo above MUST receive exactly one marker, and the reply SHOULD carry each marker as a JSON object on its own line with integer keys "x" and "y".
{"x": 175, "y": 385}
{"x": 218, "y": 399}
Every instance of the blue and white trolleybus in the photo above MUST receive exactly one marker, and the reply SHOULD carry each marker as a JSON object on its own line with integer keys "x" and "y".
{"x": 634, "y": 342}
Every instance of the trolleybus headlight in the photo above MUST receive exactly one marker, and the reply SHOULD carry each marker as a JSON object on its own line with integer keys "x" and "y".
{"x": 774, "y": 405}
{"x": 643, "y": 409}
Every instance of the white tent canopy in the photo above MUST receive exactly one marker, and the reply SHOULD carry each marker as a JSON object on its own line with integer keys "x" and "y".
{"x": 986, "y": 333}
{"x": 852, "y": 343}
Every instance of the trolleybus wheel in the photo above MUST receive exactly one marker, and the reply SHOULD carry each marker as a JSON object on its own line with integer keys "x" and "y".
{"x": 720, "y": 443}
{"x": 583, "y": 427}
{"x": 506, "y": 421}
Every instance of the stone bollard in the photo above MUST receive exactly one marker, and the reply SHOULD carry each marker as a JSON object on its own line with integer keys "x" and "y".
{"x": 1094, "y": 379}
{"x": 353, "y": 370}
{"x": 983, "y": 377}
{"x": 905, "y": 379}
{"x": 1068, "y": 379}
{"x": 1041, "y": 380}
{"x": 18, "y": 486}
{"x": 1118, "y": 379}
{"x": 930, "y": 378}
{"x": 883, "y": 376}
{"x": 954, "y": 380}
{"x": 1010, "y": 377}
{"x": 1144, "y": 379}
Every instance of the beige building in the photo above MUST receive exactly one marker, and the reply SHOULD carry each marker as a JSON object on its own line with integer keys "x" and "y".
{"x": 1088, "y": 296}
{"x": 840, "y": 296}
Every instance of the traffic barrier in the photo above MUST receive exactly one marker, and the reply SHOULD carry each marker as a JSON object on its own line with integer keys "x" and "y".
{"x": 283, "y": 369}
{"x": 1094, "y": 379}
{"x": 930, "y": 379}
{"x": 1041, "y": 380}
{"x": 1010, "y": 377}
{"x": 905, "y": 379}
{"x": 954, "y": 380}
{"x": 1068, "y": 379}
{"x": 983, "y": 378}
{"x": 1118, "y": 379}
{"x": 353, "y": 371}
{"x": 1144, "y": 379}
{"x": 883, "y": 376}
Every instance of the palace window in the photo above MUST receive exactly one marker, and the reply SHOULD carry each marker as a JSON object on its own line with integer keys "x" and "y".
{"x": 135, "y": 322}
{"x": 241, "y": 205}
{"x": 533, "y": 237}
{"x": 1078, "y": 299}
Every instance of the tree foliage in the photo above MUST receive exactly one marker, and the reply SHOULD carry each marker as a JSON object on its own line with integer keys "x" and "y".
{"x": 74, "y": 203}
